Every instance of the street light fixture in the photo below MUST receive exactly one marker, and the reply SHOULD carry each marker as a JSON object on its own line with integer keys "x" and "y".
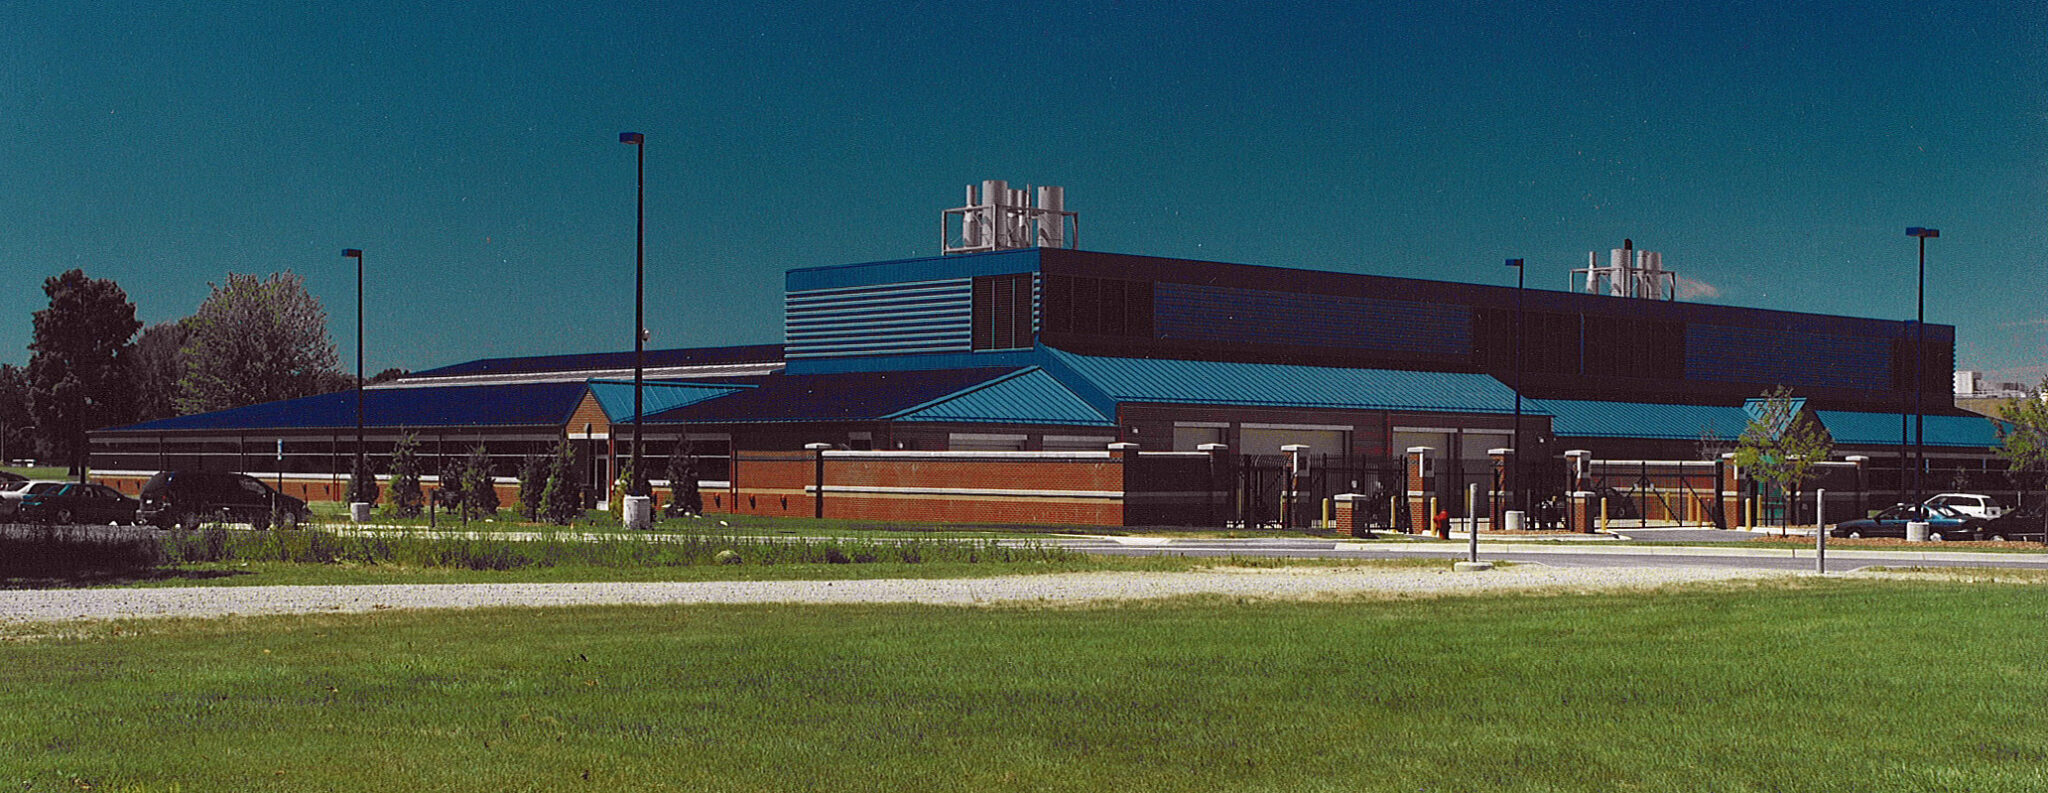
{"x": 1518, "y": 491}
{"x": 639, "y": 144}
{"x": 357, "y": 254}
{"x": 1920, "y": 364}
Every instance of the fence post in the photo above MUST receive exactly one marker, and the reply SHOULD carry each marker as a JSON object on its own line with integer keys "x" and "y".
{"x": 818, "y": 500}
{"x": 1862, "y": 483}
{"x": 1820, "y": 533}
{"x": 1219, "y": 482}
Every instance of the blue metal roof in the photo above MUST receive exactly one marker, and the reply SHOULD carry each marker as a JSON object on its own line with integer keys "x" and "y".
{"x": 694, "y": 356}
{"x": 477, "y": 405}
{"x": 850, "y": 396}
{"x": 1882, "y": 429}
{"x": 616, "y": 396}
{"x": 1029, "y": 396}
{"x": 1106, "y": 381}
{"x": 1572, "y": 418}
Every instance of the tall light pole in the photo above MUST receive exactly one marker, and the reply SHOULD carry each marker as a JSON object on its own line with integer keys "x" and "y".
{"x": 1920, "y": 364}
{"x": 357, "y": 254}
{"x": 639, "y": 144}
{"x": 1517, "y": 492}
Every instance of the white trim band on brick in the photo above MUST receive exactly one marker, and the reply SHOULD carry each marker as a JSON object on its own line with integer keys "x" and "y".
{"x": 1318, "y": 427}
{"x": 979, "y": 492}
{"x": 908, "y": 454}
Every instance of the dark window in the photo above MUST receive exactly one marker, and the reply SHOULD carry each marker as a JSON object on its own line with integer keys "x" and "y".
{"x": 1002, "y": 311}
{"x": 1097, "y": 306}
{"x": 1550, "y": 343}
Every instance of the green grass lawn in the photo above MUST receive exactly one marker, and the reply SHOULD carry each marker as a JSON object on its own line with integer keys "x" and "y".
{"x": 290, "y": 574}
{"x": 1821, "y": 685}
{"x": 39, "y": 472}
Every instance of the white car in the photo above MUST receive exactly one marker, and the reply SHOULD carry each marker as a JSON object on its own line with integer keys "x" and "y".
{"x": 1971, "y": 504}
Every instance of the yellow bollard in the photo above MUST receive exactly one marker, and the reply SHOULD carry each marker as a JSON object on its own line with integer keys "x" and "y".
{"x": 1326, "y": 514}
{"x": 1603, "y": 514}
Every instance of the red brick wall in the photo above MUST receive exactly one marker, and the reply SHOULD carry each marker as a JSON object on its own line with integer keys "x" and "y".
{"x": 1085, "y": 489}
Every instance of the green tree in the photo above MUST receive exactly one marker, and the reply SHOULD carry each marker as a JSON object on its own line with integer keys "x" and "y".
{"x": 684, "y": 496}
{"x": 628, "y": 481}
{"x": 158, "y": 370}
{"x": 78, "y": 374}
{"x": 1781, "y": 445}
{"x": 562, "y": 500}
{"x": 533, "y": 481}
{"x": 479, "y": 491}
{"x": 16, "y": 428}
{"x": 2023, "y": 435}
{"x": 257, "y": 340}
{"x": 406, "y": 501}
{"x": 362, "y": 482}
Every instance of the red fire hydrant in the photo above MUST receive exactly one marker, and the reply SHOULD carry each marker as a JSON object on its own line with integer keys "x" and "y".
{"x": 1443, "y": 524}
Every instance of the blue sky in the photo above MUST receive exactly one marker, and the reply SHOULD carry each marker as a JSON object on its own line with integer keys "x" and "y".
{"x": 1775, "y": 153}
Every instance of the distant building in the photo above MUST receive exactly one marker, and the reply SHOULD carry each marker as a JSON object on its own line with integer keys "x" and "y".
{"x": 1037, "y": 347}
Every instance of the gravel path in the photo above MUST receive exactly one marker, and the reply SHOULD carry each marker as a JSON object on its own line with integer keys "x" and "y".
{"x": 27, "y": 606}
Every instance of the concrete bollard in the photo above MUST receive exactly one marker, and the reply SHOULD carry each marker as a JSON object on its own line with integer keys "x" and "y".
{"x": 359, "y": 512}
{"x": 639, "y": 512}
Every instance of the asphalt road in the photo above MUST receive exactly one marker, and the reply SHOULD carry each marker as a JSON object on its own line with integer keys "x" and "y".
{"x": 1563, "y": 554}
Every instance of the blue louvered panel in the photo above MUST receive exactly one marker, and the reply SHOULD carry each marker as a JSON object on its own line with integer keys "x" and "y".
{"x": 1210, "y": 313}
{"x": 918, "y": 317}
{"x": 1786, "y": 357}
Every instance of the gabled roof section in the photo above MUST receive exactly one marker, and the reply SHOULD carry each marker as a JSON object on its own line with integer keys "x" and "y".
{"x": 1573, "y": 418}
{"x": 1027, "y": 396}
{"x": 1760, "y": 409}
{"x": 459, "y": 406}
{"x": 692, "y": 356}
{"x": 1856, "y": 428}
{"x": 849, "y": 396}
{"x": 616, "y": 396}
{"x": 1118, "y": 380}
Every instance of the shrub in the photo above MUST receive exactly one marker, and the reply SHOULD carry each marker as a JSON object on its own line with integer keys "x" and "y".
{"x": 684, "y": 496}
{"x": 362, "y": 482}
{"x": 533, "y": 480}
{"x": 479, "y": 491}
{"x": 562, "y": 500}
{"x": 406, "y": 501}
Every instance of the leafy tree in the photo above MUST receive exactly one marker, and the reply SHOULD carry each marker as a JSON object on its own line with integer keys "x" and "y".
{"x": 533, "y": 480}
{"x": 684, "y": 496}
{"x": 362, "y": 482}
{"x": 78, "y": 374}
{"x": 628, "y": 481}
{"x": 1782, "y": 444}
{"x": 16, "y": 440}
{"x": 406, "y": 501}
{"x": 2023, "y": 432}
{"x": 479, "y": 492}
{"x": 257, "y": 340}
{"x": 453, "y": 482}
{"x": 562, "y": 500}
{"x": 158, "y": 370}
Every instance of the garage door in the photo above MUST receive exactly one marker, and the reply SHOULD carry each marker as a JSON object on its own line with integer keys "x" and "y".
{"x": 1265, "y": 440}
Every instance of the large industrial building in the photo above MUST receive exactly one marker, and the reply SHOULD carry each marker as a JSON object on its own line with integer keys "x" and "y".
{"x": 990, "y": 383}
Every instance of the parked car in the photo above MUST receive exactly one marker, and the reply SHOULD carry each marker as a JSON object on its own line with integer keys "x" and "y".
{"x": 76, "y": 502}
{"x": 1970, "y": 504}
{"x": 1943, "y": 523}
{"x": 2022, "y": 524}
{"x": 12, "y": 492}
{"x": 189, "y": 498}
